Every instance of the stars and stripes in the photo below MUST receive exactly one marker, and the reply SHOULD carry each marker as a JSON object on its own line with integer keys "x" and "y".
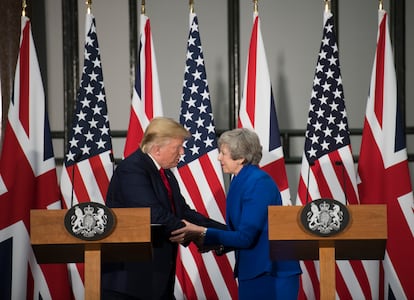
{"x": 384, "y": 176}
{"x": 327, "y": 164}
{"x": 201, "y": 276}
{"x": 146, "y": 100}
{"x": 327, "y": 143}
{"x": 258, "y": 111}
{"x": 28, "y": 180}
{"x": 88, "y": 164}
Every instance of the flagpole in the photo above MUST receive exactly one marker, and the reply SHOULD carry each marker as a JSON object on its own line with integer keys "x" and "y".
{"x": 327, "y": 5}
{"x": 24, "y": 5}
{"x": 255, "y": 7}
{"x": 191, "y": 2}
{"x": 89, "y": 6}
{"x": 143, "y": 7}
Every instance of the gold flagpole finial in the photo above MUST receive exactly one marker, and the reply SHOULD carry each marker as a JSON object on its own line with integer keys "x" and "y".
{"x": 380, "y": 6}
{"x": 24, "y": 5}
{"x": 88, "y": 5}
{"x": 143, "y": 7}
{"x": 191, "y": 2}
{"x": 327, "y": 5}
{"x": 255, "y": 6}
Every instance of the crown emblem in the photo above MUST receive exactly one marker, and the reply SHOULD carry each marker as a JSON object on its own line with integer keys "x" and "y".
{"x": 88, "y": 210}
{"x": 324, "y": 206}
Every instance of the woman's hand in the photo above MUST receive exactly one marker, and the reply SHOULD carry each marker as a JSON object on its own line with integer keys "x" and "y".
{"x": 190, "y": 232}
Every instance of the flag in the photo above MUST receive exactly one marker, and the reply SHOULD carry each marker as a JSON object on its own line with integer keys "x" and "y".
{"x": 201, "y": 276}
{"x": 146, "y": 99}
{"x": 383, "y": 171}
{"x": 1, "y": 110}
{"x": 327, "y": 163}
{"x": 88, "y": 164}
{"x": 28, "y": 180}
{"x": 258, "y": 111}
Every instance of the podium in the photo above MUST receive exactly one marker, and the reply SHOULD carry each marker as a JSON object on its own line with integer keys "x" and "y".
{"x": 130, "y": 240}
{"x": 363, "y": 239}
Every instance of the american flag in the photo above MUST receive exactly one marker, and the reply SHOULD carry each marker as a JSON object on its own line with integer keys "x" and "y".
{"x": 384, "y": 176}
{"x": 146, "y": 100}
{"x": 201, "y": 276}
{"x": 88, "y": 165}
{"x": 28, "y": 180}
{"x": 327, "y": 164}
{"x": 258, "y": 111}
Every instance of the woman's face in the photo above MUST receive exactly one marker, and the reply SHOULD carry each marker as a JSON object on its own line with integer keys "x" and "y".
{"x": 229, "y": 165}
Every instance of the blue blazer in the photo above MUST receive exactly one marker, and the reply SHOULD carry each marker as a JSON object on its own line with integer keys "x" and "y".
{"x": 136, "y": 182}
{"x": 250, "y": 193}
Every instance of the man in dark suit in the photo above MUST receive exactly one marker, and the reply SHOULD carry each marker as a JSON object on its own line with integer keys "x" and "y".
{"x": 138, "y": 182}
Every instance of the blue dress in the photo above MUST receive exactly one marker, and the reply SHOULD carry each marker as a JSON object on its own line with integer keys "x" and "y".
{"x": 250, "y": 193}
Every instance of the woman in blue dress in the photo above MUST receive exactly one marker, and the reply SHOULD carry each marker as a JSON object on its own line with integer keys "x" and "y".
{"x": 250, "y": 193}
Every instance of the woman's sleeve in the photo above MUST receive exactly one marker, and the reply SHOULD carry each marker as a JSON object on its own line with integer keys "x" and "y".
{"x": 255, "y": 201}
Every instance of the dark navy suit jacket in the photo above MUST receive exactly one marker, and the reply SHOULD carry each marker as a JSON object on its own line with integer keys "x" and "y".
{"x": 250, "y": 193}
{"x": 136, "y": 182}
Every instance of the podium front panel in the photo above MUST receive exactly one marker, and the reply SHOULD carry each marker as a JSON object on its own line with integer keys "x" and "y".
{"x": 130, "y": 239}
{"x": 364, "y": 238}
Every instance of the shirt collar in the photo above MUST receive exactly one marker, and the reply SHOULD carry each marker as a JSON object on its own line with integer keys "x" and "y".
{"x": 155, "y": 162}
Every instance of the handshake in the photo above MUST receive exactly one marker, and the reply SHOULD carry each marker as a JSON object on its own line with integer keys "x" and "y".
{"x": 194, "y": 233}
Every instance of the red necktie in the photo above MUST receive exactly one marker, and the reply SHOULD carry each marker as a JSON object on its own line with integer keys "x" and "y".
{"x": 168, "y": 187}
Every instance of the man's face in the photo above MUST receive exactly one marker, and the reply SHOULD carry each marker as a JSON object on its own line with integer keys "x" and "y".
{"x": 168, "y": 155}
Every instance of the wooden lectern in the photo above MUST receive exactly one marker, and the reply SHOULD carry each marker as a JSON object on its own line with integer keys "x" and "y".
{"x": 363, "y": 238}
{"x": 130, "y": 240}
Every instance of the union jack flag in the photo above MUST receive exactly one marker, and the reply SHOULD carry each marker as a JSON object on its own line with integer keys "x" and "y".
{"x": 1, "y": 110}
{"x": 146, "y": 100}
{"x": 384, "y": 176}
{"x": 327, "y": 164}
{"x": 201, "y": 276}
{"x": 258, "y": 111}
{"x": 88, "y": 164}
{"x": 28, "y": 180}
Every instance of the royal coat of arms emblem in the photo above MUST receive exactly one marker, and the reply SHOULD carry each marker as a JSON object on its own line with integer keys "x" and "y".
{"x": 324, "y": 217}
{"x": 89, "y": 221}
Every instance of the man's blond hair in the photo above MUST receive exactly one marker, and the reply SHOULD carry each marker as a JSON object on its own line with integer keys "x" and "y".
{"x": 160, "y": 130}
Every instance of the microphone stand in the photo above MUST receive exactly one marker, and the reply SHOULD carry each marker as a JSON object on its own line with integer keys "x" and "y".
{"x": 73, "y": 185}
{"x": 75, "y": 161}
{"x": 340, "y": 163}
{"x": 311, "y": 163}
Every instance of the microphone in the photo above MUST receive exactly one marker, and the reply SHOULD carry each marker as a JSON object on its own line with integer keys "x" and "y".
{"x": 75, "y": 161}
{"x": 112, "y": 159}
{"x": 311, "y": 163}
{"x": 340, "y": 163}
